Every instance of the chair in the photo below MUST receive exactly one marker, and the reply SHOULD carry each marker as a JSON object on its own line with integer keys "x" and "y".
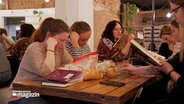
{"x": 14, "y": 64}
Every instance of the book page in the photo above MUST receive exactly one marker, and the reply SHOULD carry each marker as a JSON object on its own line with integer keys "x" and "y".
{"x": 142, "y": 52}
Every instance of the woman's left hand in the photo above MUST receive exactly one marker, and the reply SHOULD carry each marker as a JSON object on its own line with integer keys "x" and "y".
{"x": 131, "y": 69}
{"x": 131, "y": 36}
{"x": 165, "y": 67}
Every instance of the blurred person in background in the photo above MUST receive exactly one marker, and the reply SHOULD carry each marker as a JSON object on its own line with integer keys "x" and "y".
{"x": 165, "y": 35}
{"x": 6, "y": 40}
{"x": 22, "y": 43}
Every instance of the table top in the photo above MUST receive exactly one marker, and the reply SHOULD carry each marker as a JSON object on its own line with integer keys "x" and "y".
{"x": 92, "y": 90}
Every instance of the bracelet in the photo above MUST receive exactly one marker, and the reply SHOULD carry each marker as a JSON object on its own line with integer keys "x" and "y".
{"x": 170, "y": 72}
{"x": 51, "y": 50}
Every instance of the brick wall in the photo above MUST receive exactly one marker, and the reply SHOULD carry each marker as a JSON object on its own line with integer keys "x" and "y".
{"x": 26, "y": 4}
{"x": 104, "y": 11}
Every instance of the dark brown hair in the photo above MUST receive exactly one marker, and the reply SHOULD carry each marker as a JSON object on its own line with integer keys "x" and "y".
{"x": 108, "y": 32}
{"x": 26, "y": 30}
{"x": 3, "y": 31}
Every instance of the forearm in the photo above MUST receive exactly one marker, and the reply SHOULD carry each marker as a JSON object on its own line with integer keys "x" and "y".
{"x": 50, "y": 54}
{"x": 74, "y": 37}
{"x": 75, "y": 44}
{"x": 174, "y": 76}
{"x": 149, "y": 70}
{"x": 142, "y": 70}
{"x": 126, "y": 49}
{"x": 7, "y": 45}
{"x": 50, "y": 59}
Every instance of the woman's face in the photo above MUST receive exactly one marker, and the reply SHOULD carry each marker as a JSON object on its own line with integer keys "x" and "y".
{"x": 175, "y": 33}
{"x": 61, "y": 39}
{"x": 83, "y": 38}
{"x": 169, "y": 39}
{"x": 117, "y": 31}
{"x": 178, "y": 13}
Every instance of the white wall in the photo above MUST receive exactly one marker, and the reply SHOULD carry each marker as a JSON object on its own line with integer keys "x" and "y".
{"x": 28, "y": 14}
{"x": 76, "y": 10}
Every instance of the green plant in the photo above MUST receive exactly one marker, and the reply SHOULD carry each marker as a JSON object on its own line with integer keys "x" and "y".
{"x": 130, "y": 10}
{"x": 39, "y": 14}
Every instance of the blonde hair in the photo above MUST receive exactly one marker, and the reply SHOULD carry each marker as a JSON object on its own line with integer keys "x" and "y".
{"x": 166, "y": 30}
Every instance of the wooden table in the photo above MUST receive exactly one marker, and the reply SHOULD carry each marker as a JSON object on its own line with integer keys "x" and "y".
{"x": 91, "y": 90}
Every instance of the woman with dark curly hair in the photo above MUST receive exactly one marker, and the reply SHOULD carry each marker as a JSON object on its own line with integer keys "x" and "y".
{"x": 113, "y": 31}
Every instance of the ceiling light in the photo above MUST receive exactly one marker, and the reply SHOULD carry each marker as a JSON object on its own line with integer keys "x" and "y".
{"x": 1, "y": 1}
{"x": 47, "y": 1}
{"x": 168, "y": 15}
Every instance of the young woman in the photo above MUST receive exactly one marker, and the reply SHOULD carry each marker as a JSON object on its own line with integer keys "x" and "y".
{"x": 110, "y": 35}
{"x": 46, "y": 53}
{"x": 165, "y": 34}
{"x": 76, "y": 44}
{"x": 174, "y": 68}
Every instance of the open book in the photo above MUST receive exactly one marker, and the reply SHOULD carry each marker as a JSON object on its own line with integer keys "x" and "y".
{"x": 63, "y": 78}
{"x": 144, "y": 54}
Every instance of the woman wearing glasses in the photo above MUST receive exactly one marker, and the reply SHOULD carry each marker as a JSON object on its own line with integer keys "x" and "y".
{"x": 173, "y": 68}
{"x": 110, "y": 35}
{"x": 46, "y": 53}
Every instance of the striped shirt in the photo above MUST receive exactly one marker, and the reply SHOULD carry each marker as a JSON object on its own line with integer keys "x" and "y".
{"x": 76, "y": 52}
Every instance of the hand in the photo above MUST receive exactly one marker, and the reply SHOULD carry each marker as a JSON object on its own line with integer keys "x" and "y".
{"x": 51, "y": 43}
{"x": 3, "y": 36}
{"x": 131, "y": 36}
{"x": 130, "y": 68}
{"x": 74, "y": 36}
{"x": 165, "y": 67}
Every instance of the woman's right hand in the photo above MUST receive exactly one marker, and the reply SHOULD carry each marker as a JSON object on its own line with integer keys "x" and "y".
{"x": 51, "y": 43}
{"x": 74, "y": 36}
{"x": 4, "y": 36}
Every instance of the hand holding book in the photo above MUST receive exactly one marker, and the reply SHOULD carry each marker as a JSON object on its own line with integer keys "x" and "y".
{"x": 145, "y": 55}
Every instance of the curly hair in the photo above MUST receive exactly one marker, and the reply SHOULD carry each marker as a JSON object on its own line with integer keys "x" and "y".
{"x": 108, "y": 32}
